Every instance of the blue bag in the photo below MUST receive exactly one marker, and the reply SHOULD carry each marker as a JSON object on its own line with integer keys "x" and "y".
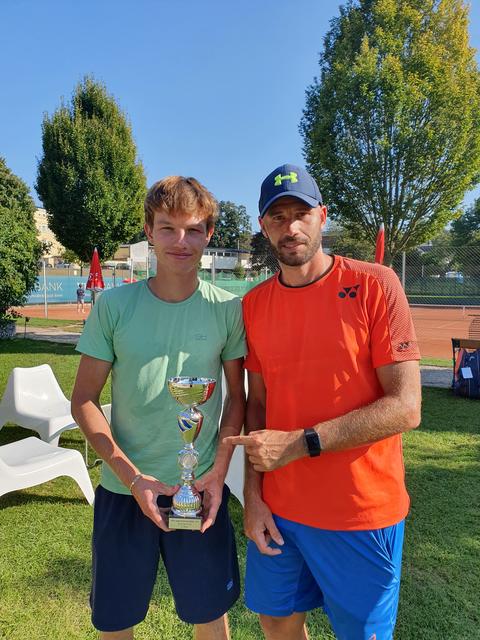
{"x": 466, "y": 373}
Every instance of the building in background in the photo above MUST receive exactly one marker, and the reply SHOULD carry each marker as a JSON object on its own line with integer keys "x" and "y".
{"x": 45, "y": 234}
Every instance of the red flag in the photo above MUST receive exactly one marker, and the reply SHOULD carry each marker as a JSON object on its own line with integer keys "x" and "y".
{"x": 95, "y": 278}
{"x": 380, "y": 245}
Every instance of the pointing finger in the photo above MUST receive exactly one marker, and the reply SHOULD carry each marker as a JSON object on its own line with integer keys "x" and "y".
{"x": 243, "y": 440}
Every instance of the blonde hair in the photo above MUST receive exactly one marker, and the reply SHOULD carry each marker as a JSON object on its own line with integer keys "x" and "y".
{"x": 176, "y": 195}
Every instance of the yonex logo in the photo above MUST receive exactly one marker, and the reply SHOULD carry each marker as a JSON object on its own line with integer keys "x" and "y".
{"x": 292, "y": 176}
{"x": 351, "y": 292}
{"x": 403, "y": 346}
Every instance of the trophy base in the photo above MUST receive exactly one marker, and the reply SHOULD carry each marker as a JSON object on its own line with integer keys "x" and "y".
{"x": 181, "y": 522}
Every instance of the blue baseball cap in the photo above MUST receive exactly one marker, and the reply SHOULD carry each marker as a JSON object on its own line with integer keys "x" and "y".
{"x": 288, "y": 180}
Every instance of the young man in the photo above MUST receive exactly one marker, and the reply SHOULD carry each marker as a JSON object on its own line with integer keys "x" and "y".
{"x": 333, "y": 381}
{"x": 145, "y": 333}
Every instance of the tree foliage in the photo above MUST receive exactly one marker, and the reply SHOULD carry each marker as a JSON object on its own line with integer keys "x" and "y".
{"x": 391, "y": 127}
{"x": 19, "y": 248}
{"x": 70, "y": 257}
{"x": 89, "y": 179}
{"x": 239, "y": 271}
{"x": 233, "y": 229}
{"x": 465, "y": 238}
{"x": 344, "y": 244}
{"x": 262, "y": 256}
{"x": 466, "y": 228}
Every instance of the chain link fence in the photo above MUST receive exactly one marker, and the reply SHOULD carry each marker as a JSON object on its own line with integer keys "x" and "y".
{"x": 432, "y": 274}
{"x": 441, "y": 274}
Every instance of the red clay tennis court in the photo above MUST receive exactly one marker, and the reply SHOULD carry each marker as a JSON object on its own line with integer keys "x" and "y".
{"x": 435, "y": 326}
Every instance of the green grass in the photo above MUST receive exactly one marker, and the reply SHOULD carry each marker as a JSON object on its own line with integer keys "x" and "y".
{"x": 45, "y": 533}
{"x": 65, "y": 325}
{"x": 437, "y": 362}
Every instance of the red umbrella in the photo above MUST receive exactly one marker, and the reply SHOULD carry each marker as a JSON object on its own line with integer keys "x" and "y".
{"x": 380, "y": 245}
{"x": 95, "y": 278}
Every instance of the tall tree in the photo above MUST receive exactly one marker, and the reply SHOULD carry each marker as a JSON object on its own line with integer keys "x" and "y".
{"x": 233, "y": 229}
{"x": 391, "y": 127}
{"x": 19, "y": 248}
{"x": 89, "y": 179}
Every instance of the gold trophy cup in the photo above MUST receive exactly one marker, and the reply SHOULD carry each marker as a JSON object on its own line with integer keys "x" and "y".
{"x": 189, "y": 392}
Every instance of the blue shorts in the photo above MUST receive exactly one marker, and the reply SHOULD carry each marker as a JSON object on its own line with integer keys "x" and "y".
{"x": 353, "y": 575}
{"x": 202, "y": 568}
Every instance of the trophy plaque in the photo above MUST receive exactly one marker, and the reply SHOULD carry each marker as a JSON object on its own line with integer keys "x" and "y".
{"x": 189, "y": 392}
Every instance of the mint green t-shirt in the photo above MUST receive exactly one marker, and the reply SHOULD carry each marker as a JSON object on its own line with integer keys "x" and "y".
{"x": 148, "y": 341}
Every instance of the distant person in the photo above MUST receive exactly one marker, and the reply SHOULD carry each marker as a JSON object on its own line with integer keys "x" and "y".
{"x": 333, "y": 382}
{"x": 80, "y": 298}
{"x": 170, "y": 325}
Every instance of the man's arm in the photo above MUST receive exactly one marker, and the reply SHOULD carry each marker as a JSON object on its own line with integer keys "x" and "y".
{"x": 258, "y": 521}
{"x": 398, "y": 410}
{"x": 91, "y": 377}
{"x": 233, "y": 416}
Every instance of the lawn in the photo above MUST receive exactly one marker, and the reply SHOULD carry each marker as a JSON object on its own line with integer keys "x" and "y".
{"x": 74, "y": 326}
{"x": 45, "y": 533}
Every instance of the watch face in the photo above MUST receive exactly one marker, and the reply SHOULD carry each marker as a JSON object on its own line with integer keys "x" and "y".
{"x": 313, "y": 442}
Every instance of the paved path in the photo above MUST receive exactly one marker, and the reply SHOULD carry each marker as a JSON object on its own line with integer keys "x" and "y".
{"x": 431, "y": 376}
{"x": 51, "y": 334}
{"x": 436, "y": 376}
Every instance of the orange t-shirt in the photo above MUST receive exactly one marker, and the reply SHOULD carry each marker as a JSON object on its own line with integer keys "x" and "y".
{"x": 317, "y": 348}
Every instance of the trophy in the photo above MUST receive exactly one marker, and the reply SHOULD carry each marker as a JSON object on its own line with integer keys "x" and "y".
{"x": 189, "y": 392}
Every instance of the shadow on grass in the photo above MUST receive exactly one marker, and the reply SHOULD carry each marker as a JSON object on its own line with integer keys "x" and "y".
{"x": 26, "y": 346}
{"x": 72, "y": 438}
{"x": 68, "y": 572}
{"x": 442, "y": 411}
{"x": 20, "y": 498}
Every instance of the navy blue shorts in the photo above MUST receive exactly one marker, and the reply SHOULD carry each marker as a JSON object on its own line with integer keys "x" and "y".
{"x": 202, "y": 568}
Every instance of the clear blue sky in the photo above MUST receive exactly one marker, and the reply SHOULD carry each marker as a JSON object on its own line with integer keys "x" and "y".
{"x": 213, "y": 89}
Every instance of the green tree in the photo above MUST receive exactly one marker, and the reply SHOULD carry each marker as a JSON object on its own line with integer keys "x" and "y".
{"x": 70, "y": 256}
{"x": 390, "y": 127}
{"x": 344, "y": 244}
{"x": 438, "y": 258}
{"x": 466, "y": 228}
{"x": 262, "y": 256}
{"x": 89, "y": 179}
{"x": 19, "y": 248}
{"x": 233, "y": 229}
{"x": 239, "y": 271}
{"x": 465, "y": 238}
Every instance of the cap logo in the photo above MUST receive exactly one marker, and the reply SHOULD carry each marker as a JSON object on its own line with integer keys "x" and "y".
{"x": 292, "y": 176}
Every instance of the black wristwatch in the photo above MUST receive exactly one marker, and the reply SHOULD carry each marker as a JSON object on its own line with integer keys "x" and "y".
{"x": 312, "y": 441}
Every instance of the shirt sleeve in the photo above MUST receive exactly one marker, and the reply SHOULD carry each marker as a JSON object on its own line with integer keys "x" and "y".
{"x": 235, "y": 346}
{"x": 392, "y": 334}
{"x": 97, "y": 337}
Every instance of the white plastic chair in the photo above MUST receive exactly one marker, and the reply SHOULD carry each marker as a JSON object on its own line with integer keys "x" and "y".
{"x": 33, "y": 399}
{"x": 236, "y": 471}
{"x": 29, "y": 462}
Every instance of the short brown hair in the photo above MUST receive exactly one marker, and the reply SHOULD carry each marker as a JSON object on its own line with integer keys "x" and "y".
{"x": 176, "y": 194}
